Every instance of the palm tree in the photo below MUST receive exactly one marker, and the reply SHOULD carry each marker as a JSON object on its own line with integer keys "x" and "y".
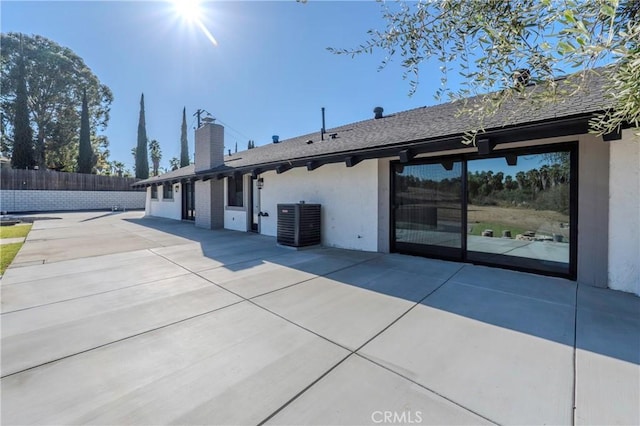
{"x": 117, "y": 167}
{"x": 521, "y": 178}
{"x": 174, "y": 163}
{"x": 533, "y": 176}
{"x": 544, "y": 176}
{"x": 155, "y": 154}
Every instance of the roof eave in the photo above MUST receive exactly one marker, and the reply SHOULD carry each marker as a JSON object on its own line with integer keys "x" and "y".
{"x": 564, "y": 126}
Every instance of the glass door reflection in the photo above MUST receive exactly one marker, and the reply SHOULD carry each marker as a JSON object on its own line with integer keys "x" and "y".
{"x": 519, "y": 214}
{"x": 428, "y": 209}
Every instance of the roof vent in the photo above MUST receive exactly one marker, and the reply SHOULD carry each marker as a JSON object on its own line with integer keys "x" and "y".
{"x": 378, "y": 112}
{"x": 521, "y": 77}
{"x": 276, "y": 138}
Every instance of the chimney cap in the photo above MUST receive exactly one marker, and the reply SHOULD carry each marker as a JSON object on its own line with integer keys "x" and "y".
{"x": 378, "y": 112}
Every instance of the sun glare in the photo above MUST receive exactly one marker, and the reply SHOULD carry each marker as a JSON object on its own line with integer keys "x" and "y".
{"x": 188, "y": 9}
{"x": 191, "y": 12}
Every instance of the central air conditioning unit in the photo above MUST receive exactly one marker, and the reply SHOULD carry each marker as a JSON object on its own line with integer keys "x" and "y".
{"x": 299, "y": 224}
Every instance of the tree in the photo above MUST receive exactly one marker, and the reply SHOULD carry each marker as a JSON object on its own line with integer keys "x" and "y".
{"x": 23, "y": 136}
{"x": 63, "y": 144}
{"x": 85, "y": 153}
{"x": 251, "y": 144}
{"x": 184, "y": 143}
{"x": 142, "y": 163}
{"x": 521, "y": 178}
{"x": 174, "y": 163}
{"x": 155, "y": 154}
{"x": 117, "y": 168}
{"x": 503, "y": 46}
{"x": 56, "y": 78}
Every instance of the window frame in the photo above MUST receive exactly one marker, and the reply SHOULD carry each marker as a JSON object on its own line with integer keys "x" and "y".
{"x": 235, "y": 197}
{"x": 167, "y": 191}
{"x": 571, "y": 146}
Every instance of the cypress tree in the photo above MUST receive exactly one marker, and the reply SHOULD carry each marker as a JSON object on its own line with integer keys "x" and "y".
{"x": 184, "y": 143}
{"x": 22, "y": 157}
{"x": 142, "y": 161}
{"x": 85, "y": 152}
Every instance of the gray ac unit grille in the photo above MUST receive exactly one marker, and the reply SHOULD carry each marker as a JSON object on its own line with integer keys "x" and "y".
{"x": 299, "y": 224}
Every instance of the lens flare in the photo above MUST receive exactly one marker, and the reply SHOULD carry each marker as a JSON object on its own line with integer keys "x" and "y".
{"x": 191, "y": 12}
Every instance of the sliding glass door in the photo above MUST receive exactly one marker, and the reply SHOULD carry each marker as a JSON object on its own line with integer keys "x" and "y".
{"x": 520, "y": 214}
{"x": 516, "y": 209}
{"x": 428, "y": 209}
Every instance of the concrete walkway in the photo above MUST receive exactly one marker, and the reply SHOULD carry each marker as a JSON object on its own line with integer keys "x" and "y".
{"x": 4, "y": 241}
{"x": 111, "y": 318}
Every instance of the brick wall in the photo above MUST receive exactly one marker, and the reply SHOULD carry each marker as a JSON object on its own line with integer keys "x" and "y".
{"x": 39, "y": 200}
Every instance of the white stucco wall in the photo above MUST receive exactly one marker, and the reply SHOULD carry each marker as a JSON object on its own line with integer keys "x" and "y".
{"x": 348, "y": 195}
{"x": 384, "y": 205}
{"x": 170, "y": 208}
{"x": 235, "y": 218}
{"x": 624, "y": 213}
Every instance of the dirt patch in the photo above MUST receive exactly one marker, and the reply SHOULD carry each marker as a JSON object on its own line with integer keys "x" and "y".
{"x": 535, "y": 220}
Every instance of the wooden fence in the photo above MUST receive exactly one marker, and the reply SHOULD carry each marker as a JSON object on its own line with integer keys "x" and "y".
{"x": 51, "y": 180}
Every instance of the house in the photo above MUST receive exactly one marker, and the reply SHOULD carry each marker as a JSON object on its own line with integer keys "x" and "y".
{"x": 537, "y": 192}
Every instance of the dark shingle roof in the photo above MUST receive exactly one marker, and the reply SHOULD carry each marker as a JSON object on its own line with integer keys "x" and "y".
{"x": 174, "y": 175}
{"x": 426, "y": 124}
{"x": 418, "y": 124}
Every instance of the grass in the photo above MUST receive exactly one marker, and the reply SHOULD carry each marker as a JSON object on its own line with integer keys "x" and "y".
{"x": 9, "y": 251}
{"x": 15, "y": 231}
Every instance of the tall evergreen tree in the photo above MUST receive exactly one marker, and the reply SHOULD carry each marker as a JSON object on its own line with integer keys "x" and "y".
{"x": 22, "y": 157}
{"x": 55, "y": 79}
{"x": 142, "y": 157}
{"x": 184, "y": 143}
{"x": 85, "y": 152}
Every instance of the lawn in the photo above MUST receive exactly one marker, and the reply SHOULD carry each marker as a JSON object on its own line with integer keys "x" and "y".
{"x": 9, "y": 251}
{"x": 15, "y": 231}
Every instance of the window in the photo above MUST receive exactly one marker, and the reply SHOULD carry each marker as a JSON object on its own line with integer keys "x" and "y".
{"x": 167, "y": 191}
{"x": 235, "y": 194}
{"x": 154, "y": 192}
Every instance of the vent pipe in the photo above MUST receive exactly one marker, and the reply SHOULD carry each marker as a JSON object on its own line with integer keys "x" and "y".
{"x": 378, "y": 112}
{"x": 322, "y": 131}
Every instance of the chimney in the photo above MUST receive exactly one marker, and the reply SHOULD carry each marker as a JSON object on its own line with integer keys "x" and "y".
{"x": 209, "y": 193}
{"x": 209, "y": 146}
{"x": 378, "y": 112}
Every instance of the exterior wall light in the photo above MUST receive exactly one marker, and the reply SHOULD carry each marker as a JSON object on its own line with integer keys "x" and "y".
{"x": 260, "y": 183}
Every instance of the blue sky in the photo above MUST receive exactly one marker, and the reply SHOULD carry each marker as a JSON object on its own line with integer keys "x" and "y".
{"x": 269, "y": 74}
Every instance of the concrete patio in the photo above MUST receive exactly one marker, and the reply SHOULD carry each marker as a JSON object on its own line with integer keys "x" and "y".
{"x": 112, "y": 318}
